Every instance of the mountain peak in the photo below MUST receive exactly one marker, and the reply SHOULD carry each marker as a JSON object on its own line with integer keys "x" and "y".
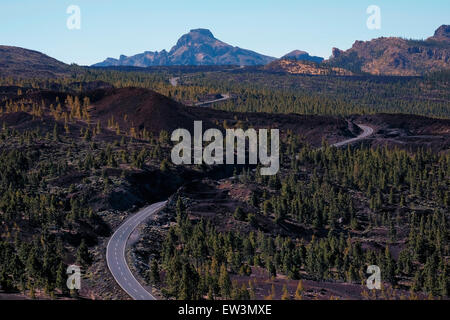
{"x": 302, "y": 55}
{"x": 295, "y": 53}
{"x": 203, "y": 32}
{"x": 194, "y": 37}
{"x": 198, "y": 47}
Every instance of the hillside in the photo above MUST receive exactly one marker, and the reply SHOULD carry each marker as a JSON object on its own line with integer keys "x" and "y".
{"x": 23, "y": 63}
{"x": 198, "y": 47}
{"x": 145, "y": 109}
{"x": 397, "y": 56}
{"x": 140, "y": 108}
{"x": 77, "y": 169}
{"x": 304, "y": 67}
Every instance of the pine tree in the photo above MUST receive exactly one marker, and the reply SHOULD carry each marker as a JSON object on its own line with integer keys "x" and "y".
{"x": 224, "y": 282}
{"x": 55, "y": 133}
{"x": 61, "y": 278}
{"x": 189, "y": 282}
{"x": 286, "y": 295}
{"x": 271, "y": 269}
{"x": 239, "y": 214}
{"x": 299, "y": 290}
{"x": 154, "y": 272}
{"x": 83, "y": 256}
{"x": 272, "y": 294}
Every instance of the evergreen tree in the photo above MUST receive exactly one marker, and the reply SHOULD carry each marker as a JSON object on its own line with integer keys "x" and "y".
{"x": 224, "y": 282}
{"x": 83, "y": 256}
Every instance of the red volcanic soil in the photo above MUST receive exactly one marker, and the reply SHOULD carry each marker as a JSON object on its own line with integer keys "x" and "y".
{"x": 142, "y": 108}
{"x": 30, "y": 95}
{"x": 412, "y": 124}
{"x": 408, "y": 131}
{"x": 48, "y": 96}
{"x": 7, "y": 92}
{"x": 16, "y": 118}
{"x": 313, "y": 128}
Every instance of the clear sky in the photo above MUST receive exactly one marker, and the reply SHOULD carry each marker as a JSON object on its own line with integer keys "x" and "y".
{"x": 272, "y": 27}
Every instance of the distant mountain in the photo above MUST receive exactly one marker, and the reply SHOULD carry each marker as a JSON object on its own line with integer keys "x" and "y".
{"x": 23, "y": 63}
{"x": 397, "y": 56}
{"x": 442, "y": 34}
{"x": 300, "y": 55}
{"x": 304, "y": 67}
{"x": 198, "y": 47}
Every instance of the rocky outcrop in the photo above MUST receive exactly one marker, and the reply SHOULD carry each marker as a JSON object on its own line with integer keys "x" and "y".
{"x": 396, "y": 56}
{"x": 304, "y": 67}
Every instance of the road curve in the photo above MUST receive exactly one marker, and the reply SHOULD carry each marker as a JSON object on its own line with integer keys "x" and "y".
{"x": 115, "y": 253}
{"x": 225, "y": 96}
{"x": 367, "y": 131}
{"x": 115, "y": 250}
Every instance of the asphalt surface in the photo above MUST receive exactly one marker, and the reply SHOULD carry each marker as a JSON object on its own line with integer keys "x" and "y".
{"x": 225, "y": 96}
{"x": 367, "y": 131}
{"x": 115, "y": 253}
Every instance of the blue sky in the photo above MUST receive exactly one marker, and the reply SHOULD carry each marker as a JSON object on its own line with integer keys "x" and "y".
{"x": 110, "y": 28}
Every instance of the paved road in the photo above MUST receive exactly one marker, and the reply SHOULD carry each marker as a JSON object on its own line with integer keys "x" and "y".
{"x": 367, "y": 131}
{"x": 225, "y": 96}
{"x": 115, "y": 253}
{"x": 174, "y": 80}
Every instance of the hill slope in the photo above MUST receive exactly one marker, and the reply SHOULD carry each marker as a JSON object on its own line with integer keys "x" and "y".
{"x": 144, "y": 109}
{"x": 140, "y": 108}
{"x": 23, "y": 63}
{"x": 198, "y": 47}
{"x": 397, "y": 56}
{"x": 304, "y": 67}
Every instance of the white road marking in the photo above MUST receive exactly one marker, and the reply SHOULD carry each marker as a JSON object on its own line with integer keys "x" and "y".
{"x": 119, "y": 240}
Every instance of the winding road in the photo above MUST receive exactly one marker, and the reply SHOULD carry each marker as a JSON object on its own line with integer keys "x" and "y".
{"x": 367, "y": 131}
{"x": 116, "y": 256}
{"x": 116, "y": 249}
{"x": 225, "y": 96}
